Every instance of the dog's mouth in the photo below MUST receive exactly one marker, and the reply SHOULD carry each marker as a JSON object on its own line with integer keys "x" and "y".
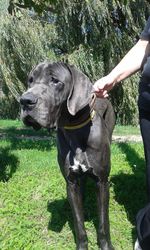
{"x": 31, "y": 122}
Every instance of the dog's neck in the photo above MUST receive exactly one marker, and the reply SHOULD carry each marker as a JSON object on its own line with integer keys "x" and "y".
{"x": 82, "y": 117}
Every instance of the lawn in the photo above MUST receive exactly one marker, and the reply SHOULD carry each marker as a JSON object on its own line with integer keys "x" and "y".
{"x": 34, "y": 212}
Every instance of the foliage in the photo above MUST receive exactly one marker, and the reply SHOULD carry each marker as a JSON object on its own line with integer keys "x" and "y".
{"x": 38, "y": 5}
{"x": 34, "y": 212}
{"x": 124, "y": 100}
{"x": 94, "y": 65}
{"x": 94, "y": 35}
{"x": 23, "y": 45}
{"x": 103, "y": 33}
{"x": 6, "y": 104}
{"x": 4, "y": 5}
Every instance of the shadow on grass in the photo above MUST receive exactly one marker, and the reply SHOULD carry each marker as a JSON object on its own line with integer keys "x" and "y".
{"x": 41, "y": 145}
{"x": 8, "y": 164}
{"x": 130, "y": 189}
{"x": 61, "y": 213}
{"x": 8, "y": 161}
{"x": 23, "y": 131}
{"x": 27, "y": 138}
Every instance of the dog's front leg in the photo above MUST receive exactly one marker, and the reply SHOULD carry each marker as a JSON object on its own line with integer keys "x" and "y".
{"x": 75, "y": 200}
{"x": 104, "y": 241}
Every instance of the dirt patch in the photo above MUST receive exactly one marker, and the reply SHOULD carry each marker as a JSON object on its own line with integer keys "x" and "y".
{"x": 126, "y": 138}
{"x": 115, "y": 138}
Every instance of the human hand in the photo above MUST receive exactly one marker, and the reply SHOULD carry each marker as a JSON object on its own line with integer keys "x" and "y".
{"x": 103, "y": 86}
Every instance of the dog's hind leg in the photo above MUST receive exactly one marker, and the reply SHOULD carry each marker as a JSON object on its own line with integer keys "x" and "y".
{"x": 104, "y": 241}
{"x": 75, "y": 200}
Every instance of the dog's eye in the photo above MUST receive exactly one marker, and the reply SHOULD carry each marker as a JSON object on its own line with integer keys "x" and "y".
{"x": 55, "y": 81}
{"x": 31, "y": 79}
{"x": 57, "y": 84}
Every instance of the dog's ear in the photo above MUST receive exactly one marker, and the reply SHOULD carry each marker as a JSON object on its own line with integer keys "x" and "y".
{"x": 80, "y": 93}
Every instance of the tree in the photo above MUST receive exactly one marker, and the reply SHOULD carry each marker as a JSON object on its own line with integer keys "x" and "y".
{"x": 94, "y": 35}
{"x": 23, "y": 43}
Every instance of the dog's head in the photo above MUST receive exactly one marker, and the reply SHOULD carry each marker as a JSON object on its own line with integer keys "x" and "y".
{"x": 49, "y": 86}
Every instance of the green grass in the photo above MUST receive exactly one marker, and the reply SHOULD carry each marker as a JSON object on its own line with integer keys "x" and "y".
{"x": 11, "y": 123}
{"x": 34, "y": 212}
{"x": 9, "y": 128}
{"x": 126, "y": 130}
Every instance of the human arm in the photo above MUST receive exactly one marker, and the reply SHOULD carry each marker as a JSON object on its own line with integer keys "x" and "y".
{"x": 130, "y": 64}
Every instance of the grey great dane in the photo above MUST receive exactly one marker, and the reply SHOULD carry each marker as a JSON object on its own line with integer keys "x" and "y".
{"x": 60, "y": 94}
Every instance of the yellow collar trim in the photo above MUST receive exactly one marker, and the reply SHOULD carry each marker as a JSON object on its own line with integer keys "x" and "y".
{"x": 83, "y": 123}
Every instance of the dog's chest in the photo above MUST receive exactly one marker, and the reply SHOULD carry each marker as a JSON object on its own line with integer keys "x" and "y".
{"x": 79, "y": 164}
{"x": 73, "y": 148}
{"x": 79, "y": 160}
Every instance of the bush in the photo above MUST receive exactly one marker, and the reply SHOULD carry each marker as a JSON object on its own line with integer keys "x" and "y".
{"x": 24, "y": 43}
{"x": 9, "y": 108}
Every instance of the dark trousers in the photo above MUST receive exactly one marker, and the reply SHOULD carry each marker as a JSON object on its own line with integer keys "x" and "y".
{"x": 144, "y": 119}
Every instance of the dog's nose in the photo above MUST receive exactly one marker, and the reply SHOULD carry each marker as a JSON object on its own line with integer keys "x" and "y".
{"x": 28, "y": 99}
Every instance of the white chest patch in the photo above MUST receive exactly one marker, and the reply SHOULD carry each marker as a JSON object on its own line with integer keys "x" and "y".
{"x": 78, "y": 166}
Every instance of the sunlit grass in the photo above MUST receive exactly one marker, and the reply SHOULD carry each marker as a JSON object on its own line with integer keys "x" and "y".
{"x": 17, "y": 126}
{"x": 126, "y": 130}
{"x": 34, "y": 212}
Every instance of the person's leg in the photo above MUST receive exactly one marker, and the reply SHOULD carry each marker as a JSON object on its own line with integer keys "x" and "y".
{"x": 144, "y": 119}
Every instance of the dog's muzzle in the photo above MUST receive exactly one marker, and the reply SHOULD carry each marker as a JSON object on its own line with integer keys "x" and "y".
{"x": 28, "y": 100}
{"x": 29, "y": 121}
